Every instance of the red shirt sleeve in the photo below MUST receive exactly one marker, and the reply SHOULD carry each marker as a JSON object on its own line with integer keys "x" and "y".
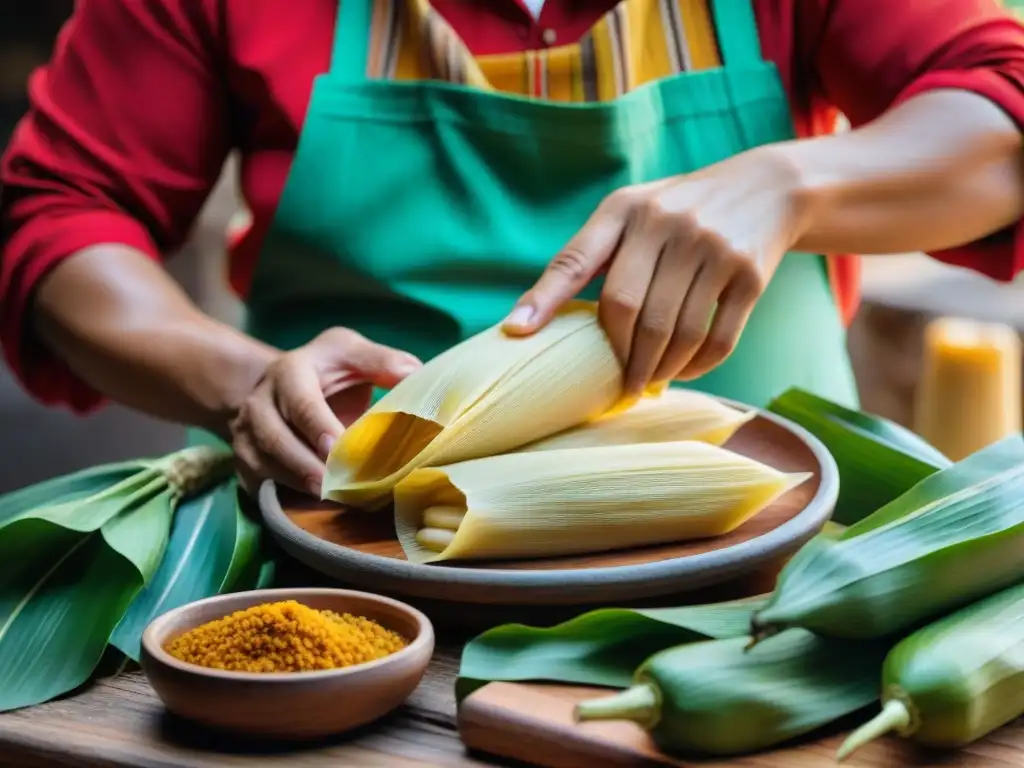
{"x": 126, "y": 135}
{"x": 864, "y": 56}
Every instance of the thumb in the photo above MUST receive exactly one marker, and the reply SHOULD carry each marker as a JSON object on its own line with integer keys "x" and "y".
{"x": 375, "y": 363}
{"x": 568, "y": 273}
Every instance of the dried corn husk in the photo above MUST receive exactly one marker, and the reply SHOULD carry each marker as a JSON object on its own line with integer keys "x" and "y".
{"x": 488, "y": 395}
{"x": 550, "y": 503}
{"x": 676, "y": 415}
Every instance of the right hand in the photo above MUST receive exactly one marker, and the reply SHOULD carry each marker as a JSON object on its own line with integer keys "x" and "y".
{"x": 307, "y": 397}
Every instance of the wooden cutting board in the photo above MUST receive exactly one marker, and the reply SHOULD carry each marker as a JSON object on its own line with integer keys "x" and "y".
{"x": 533, "y": 723}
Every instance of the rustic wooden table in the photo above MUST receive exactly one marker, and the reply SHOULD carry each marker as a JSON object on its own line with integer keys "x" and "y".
{"x": 120, "y": 722}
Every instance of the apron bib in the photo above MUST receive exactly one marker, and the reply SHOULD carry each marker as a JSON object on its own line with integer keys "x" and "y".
{"x": 416, "y": 213}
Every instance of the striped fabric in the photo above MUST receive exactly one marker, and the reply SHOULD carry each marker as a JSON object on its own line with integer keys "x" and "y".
{"x": 636, "y": 42}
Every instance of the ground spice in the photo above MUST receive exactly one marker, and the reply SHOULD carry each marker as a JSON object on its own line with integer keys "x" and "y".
{"x": 285, "y": 637}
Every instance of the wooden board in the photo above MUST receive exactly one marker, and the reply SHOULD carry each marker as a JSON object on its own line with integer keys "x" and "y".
{"x": 533, "y": 723}
{"x": 361, "y": 548}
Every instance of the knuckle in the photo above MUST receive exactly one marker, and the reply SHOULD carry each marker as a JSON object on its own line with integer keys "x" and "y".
{"x": 748, "y": 280}
{"x": 621, "y": 303}
{"x": 689, "y": 334}
{"x": 338, "y": 337}
{"x": 655, "y": 324}
{"x": 621, "y": 200}
{"x": 719, "y": 346}
{"x": 653, "y": 209}
{"x": 303, "y": 414}
{"x": 570, "y": 263}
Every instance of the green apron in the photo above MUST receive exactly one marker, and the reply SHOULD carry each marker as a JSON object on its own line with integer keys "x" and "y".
{"x": 418, "y": 212}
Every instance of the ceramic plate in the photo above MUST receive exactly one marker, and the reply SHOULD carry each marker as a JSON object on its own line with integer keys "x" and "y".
{"x": 361, "y": 549}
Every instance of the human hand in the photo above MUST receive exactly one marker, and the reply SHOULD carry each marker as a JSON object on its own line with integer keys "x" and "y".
{"x": 673, "y": 250}
{"x": 307, "y": 397}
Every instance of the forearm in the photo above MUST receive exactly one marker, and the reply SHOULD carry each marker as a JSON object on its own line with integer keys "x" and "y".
{"x": 127, "y": 329}
{"x": 941, "y": 170}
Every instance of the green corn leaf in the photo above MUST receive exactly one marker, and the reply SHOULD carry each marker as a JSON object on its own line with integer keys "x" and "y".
{"x": 601, "y": 647}
{"x": 210, "y": 541}
{"x": 877, "y": 459}
{"x": 955, "y": 537}
{"x": 62, "y": 592}
{"x": 246, "y": 561}
{"x": 68, "y": 488}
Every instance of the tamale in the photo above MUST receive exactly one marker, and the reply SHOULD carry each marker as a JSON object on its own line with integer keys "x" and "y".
{"x": 678, "y": 414}
{"x": 575, "y": 500}
{"x": 488, "y": 395}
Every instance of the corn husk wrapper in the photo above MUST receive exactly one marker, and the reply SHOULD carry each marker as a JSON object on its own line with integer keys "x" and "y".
{"x": 676, "y": 415}
{"x": 576, "y": 500}
{"x": 488, "y": 395}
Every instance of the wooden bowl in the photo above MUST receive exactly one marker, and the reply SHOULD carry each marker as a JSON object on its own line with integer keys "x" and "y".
{"x": 361, "y": 549}
{"x": 288, "y": 705}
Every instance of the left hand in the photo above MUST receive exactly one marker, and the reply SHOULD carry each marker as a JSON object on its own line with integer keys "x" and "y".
{"x": 673, "y": 250}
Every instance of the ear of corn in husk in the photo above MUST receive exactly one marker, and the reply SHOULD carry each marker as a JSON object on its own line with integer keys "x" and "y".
{"x": 955, "y": 537}
{"x": 877, "y": 459}
{"x": 560, "y": 502}
{"x": 675, "y": 415}
{"x": 75, "y": 552}
{"x": 602, "y": 647}
{"x": 716, "y": 698}
{"x": 955, "y": 680}
{"x": 488, "y": 395}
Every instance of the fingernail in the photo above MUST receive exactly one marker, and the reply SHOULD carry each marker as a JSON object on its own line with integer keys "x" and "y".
{"x": 325, "y": 444}
{"x": 521, "y": 315}
{"x": 315, "y": 485}
{"x": 408, "y": 368}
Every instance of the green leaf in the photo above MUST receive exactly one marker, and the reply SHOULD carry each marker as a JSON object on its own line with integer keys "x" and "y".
{"x": 877, "y": 459}
{"x": 68, "y": 488}
{"x": 715, "y": 698}
{"x": 211, "y": 541}
{"x": 62, "y": 592}
{"x": 952, "y": 539}
{"x": 601, "y": 647}
{"x": 246, "y": 561}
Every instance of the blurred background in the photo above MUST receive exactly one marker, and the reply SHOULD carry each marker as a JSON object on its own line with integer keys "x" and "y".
{"x": 902, "y": 294}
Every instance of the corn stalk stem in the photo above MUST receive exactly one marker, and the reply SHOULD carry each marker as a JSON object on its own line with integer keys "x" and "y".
{"x": 641, "y": 704}
{"x": 192, "y": 470}
{"x": 895, "y": 716}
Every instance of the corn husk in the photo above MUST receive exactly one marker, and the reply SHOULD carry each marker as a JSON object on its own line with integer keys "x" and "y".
{"x": 714, "y": 698}
{"x": 488, "y": 395}
{"x": 675, "y": 415}
{"x": 877, "y": 459}
{"x": 954, "y": 681}
{"x": 575, "y": 500}
{"x": 76, "y": 553}
{"x": 954, "y": 538}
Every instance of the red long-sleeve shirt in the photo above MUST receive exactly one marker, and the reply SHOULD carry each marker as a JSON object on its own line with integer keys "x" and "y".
{"x": 132, "y": 119}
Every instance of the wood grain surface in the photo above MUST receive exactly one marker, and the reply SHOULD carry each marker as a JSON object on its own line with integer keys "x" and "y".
{"x": 533, "y": 723}
{"x": 119, "y": 722}
{"x": 374, "y": 533}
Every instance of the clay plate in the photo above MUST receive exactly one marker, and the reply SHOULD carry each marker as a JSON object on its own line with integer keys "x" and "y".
{"x": 288, "y": 705}
{"x": 361, "y": 548}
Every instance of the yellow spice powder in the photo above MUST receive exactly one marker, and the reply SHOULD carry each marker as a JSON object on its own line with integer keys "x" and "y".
{"x": 285, "y": 637}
